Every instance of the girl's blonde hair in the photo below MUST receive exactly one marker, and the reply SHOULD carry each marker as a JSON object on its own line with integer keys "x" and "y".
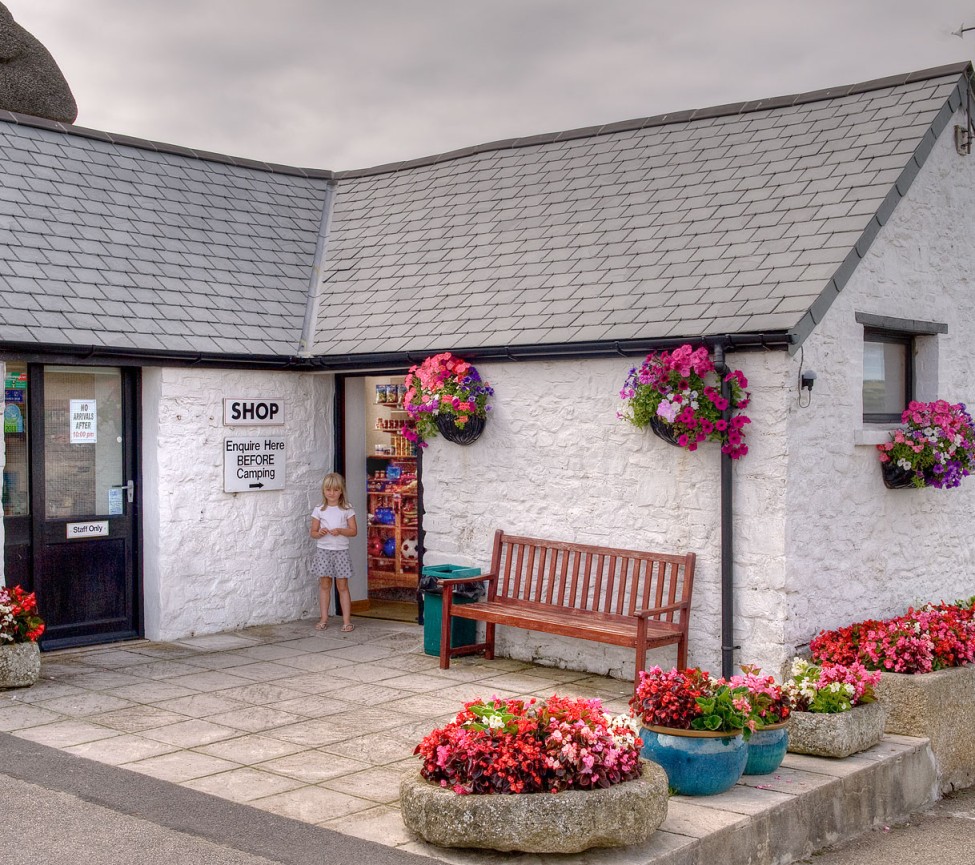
{"x": 335, "y": 481}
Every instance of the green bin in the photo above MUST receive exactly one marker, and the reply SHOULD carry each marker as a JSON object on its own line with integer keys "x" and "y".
{"x": 463, "y": 632}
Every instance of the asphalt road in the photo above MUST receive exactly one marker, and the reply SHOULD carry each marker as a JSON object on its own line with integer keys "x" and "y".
{"x": 944, "y": 835}
{"x": 55, "y": 807}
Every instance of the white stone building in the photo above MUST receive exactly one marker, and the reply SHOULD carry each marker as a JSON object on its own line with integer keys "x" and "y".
{"x": 816, "y": 232}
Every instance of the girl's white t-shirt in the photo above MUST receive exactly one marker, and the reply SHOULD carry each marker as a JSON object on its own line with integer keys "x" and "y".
{"x": 333, "y": 517}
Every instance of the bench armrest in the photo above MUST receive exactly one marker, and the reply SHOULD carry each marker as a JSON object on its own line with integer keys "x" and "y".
{"x": 656, "y": 611}
{"x": 447, "y": 586}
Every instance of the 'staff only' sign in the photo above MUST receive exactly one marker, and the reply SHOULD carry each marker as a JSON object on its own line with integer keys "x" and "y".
{"x": 253, "y": 412}
{"x": 253, "y": 464}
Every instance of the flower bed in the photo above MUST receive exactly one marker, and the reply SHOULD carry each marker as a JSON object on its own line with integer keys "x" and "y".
{"x": 517, "y": 775}
{"x": 928, "y": 681}
{"x": 20, "y": 628}
{"x": 691, "y": 699}
{"x": 513, "y": 746}
{"x": 836, "y": 713}
{"x": 19, "y": 622}
{"x": 933, "y": 637}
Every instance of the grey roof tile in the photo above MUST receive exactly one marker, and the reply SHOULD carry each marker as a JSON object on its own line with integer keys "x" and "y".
{"x": 110, "y": 216}
{"x": 721, "y": 219}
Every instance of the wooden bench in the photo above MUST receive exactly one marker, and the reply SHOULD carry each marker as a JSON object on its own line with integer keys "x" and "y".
{"x": 620, "y": 597}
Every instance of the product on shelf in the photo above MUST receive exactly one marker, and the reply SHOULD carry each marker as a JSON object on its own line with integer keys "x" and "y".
{"x": 392, "y": 487}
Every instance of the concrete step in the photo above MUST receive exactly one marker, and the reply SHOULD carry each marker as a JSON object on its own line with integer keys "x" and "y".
{"x": 808, "y": 804}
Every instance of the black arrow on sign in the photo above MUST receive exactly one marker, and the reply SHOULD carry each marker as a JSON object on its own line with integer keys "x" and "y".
{"x": 258, "y": 485}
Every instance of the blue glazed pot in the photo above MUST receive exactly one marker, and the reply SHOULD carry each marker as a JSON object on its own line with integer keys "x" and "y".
{"x": 696, "y": 763}
{"x": 766, "y": 749}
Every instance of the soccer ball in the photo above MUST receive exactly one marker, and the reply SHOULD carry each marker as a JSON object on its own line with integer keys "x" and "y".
{"x": 408, "y": 549}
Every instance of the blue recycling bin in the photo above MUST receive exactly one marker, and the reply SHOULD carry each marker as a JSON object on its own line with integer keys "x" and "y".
{"x": 463, "y": 632}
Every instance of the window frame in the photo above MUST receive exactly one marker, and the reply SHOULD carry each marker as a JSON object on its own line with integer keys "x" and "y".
{"x": 893, "y": 337}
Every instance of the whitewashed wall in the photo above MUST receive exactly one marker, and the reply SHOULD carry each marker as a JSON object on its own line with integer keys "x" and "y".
{"x": 214, "y": 561}
{"x": 3, "y": 462}
{"x": 855, "y": 548}
{"x": 555, "y": 462}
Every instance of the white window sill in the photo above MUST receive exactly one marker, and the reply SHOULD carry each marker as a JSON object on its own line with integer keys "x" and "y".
{"x": 874, "y": 434}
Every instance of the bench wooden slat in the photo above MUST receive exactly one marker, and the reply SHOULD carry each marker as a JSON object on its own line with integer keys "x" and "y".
{"x": 598, "y": 627}
{"x": 623, "y": 597}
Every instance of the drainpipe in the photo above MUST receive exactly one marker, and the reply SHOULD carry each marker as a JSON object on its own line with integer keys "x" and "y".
{"x": 727, "y": 527}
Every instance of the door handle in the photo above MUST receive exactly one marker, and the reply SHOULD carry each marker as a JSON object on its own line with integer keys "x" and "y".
{"x": 130, "y": 491}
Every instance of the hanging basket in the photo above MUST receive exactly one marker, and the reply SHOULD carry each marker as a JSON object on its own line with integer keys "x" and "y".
{"x": 664, "y": 430}
{"x": 461, "y": 435}
{"x": 896, "y": 477}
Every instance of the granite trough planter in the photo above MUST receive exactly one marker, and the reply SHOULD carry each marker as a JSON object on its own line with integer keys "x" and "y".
{"x": 837, "y": 735}
{"x": 20, "y": 664}
{"x": 938, "y": 706}
{"x": 566, "y": 822}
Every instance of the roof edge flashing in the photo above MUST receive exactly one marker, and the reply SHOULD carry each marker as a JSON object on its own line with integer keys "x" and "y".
{"x": 672, "y": 117}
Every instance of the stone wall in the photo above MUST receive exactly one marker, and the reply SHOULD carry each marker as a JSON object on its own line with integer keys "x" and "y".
{"x": 3, "y": 462}
{"x": 819, "y": 541}
{"x": 556, "y": 462}
{"x": 856, "y": 549}
{"x": 213, "y": 560}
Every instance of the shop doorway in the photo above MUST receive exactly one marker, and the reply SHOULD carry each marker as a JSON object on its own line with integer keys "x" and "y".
{"x": 383, "y": 475}
{"x": 70, "y": 502}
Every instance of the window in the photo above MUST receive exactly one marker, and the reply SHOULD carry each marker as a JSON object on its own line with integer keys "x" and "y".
{"x": 888, "y": 375}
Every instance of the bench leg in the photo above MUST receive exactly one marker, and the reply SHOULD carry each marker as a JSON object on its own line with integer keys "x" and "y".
{"x": 489, "y": 640}
{"x": 641, "y": 664}
{"x": 445, "y": 628}
{"x": 682, "y": 654}
{"x": 641, "y": 651}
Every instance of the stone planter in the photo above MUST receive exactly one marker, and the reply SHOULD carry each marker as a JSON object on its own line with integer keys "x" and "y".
{"x": 838, "y": 735}
{"x": 939, "y": 706}
{"x": 567, "y": 822}
{"x": 20, "y": 664}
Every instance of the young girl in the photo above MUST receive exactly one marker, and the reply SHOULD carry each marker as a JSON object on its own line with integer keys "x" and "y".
{"x": 332, "y": 524}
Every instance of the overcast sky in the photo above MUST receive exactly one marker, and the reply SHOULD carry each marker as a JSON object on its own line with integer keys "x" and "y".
{"x": 354, "y": 83}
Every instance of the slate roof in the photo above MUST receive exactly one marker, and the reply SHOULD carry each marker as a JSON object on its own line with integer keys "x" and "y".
{"x": 744, "y": 219}
{"x": 149, "y": 247}
{"x": 734, "y": 219}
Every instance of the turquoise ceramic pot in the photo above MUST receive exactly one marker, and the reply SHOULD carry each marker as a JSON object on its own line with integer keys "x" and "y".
{"x": 696, "y": 763}
{"x": 766, "y": 749}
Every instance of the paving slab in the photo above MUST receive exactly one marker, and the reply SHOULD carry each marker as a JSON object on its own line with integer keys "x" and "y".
{"x": 317, "y": 729}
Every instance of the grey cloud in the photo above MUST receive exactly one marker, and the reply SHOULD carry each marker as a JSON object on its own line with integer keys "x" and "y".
{"x": 348, "y": 84}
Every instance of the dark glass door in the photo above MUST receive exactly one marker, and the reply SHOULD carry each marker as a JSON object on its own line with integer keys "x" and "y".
{"x": 16, "y": 476}
{"x": 84, "y": 503}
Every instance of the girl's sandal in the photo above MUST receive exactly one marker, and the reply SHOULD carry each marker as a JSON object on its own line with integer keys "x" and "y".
{"x": 348, "y": 628}
{"x": 321, "y": 626}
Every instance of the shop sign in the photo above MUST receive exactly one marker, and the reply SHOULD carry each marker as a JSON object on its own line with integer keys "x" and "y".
{"x": 253, "y": 464}
{"x": 253, "y": 412}
{"x": 83, "y": 421}
{"x": 87, "y": 530}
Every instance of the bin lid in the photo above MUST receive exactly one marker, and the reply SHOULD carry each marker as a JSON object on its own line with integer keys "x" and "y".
{"x": 450, "y": 571}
